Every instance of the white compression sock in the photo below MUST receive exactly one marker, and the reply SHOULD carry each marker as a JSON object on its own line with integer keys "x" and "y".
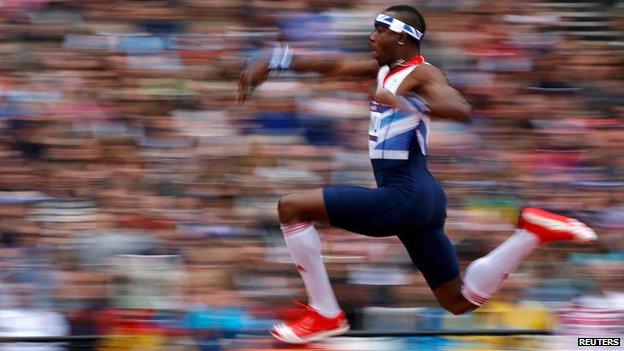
{"x": 484, "y": 276}
{"x": 304, "y": 245}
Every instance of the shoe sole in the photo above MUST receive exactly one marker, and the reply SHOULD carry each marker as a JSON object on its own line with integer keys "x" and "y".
{"x": 314, "y": 337}
{"x": 580, "y": 232}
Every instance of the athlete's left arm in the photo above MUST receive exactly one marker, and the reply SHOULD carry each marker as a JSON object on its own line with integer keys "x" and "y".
{"x": 442, "y": 100}
{"x": 432, "y": 87}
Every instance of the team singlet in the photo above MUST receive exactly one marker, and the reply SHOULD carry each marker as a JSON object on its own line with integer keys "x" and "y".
{"x": 392, "y": 133}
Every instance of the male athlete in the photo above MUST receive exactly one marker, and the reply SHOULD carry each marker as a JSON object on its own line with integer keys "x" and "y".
{"x": 407, "y": 202}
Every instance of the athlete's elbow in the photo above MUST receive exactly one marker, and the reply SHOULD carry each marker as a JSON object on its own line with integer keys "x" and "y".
{"x": 459, "y": 112}
{"x": 463, "y": 113}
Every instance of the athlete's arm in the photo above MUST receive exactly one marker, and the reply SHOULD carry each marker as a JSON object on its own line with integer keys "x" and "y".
{"x": 328, "y": 66}
{"x": 442, "y": 100}
{"x": 430, "y": 84}
{"x": 356, "y": 66}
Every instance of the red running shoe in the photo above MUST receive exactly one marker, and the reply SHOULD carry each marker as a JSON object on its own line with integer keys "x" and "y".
{"x": 311, "y": 326}
{"x": 548, "y": 226}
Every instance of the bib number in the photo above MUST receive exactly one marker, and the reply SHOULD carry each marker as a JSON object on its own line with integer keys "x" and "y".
{"x": 375, "y": 123}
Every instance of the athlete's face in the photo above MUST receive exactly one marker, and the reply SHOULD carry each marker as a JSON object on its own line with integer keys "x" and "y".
{"x": 383, "y": 43}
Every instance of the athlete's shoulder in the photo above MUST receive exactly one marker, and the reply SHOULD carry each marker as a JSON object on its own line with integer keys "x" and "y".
{"x": 428, "y": 72}
{"x": 421, "y": 76}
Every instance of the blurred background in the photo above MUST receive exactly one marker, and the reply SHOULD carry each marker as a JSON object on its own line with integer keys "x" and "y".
{"x": 138, "y": 202}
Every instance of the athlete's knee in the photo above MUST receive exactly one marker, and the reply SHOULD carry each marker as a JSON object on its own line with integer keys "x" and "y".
{"x": 288, "y": 210}
{"x": 457, "y": 306}
{"x": 451, "y": 299}
{"x": 457, "y": 309}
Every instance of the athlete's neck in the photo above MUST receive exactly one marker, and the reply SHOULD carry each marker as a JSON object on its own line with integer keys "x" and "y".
{"x": 404, "y": 56}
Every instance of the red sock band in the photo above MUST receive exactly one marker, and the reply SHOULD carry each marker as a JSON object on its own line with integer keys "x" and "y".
{"x": 473, "y": 297}
{"x": 294, "y": 228}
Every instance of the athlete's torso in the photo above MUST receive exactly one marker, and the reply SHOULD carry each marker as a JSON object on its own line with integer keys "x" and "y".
{"x": 397, "y": 140}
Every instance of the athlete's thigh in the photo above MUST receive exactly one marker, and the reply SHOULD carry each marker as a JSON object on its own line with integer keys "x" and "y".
{"x": 429, "y": 248}
{"x": 372, "y": 212}
{"x": 433, "y": 253}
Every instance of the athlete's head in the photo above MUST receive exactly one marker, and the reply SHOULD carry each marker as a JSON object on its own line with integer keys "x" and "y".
{"x": 398, "y": 32}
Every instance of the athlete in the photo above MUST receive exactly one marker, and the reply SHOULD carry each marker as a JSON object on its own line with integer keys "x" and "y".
{"x": 407, "y": 202}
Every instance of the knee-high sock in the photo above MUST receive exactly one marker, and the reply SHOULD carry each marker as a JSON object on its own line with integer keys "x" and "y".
{"x": 484, "y": 276}
{"x": 304, "y": 245}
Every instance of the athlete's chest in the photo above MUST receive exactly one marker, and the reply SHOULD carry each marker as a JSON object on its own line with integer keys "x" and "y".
{"x": 393, "y": 81}
{"x": 382, "y": 115}
{"x": 391, "y": 132}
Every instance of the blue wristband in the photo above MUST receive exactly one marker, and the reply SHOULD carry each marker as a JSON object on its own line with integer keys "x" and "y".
{"x": 281, "y": 58}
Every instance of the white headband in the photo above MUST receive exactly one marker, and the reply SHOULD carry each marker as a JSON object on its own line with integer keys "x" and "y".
{"x": 397, "y": 26}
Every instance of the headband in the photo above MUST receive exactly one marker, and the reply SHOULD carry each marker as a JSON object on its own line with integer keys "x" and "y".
{"x": 397, "y": 26}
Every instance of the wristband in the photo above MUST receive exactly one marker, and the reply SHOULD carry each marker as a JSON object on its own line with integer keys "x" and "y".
{"x": 281, "y": 58}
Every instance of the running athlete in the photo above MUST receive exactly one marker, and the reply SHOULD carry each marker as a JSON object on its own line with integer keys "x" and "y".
{"x": 407, "y": 202}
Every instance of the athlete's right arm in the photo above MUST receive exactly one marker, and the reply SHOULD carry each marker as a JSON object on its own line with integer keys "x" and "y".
{"x": 328, "y": 66}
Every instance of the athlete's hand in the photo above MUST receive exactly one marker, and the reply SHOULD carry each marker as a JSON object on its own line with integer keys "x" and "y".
{"x": 385, "y": 97}
{"x": 257, "y": 73}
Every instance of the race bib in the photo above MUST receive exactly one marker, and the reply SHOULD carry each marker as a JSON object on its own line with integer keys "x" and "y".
{"x": 375, "y": 124}
{"x": 376, "y": 116}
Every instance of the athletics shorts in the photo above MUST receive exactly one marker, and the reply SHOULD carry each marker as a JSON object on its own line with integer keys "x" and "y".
{"x": 415, "y": 212}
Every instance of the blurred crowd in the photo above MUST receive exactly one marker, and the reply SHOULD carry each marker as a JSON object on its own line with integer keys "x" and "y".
{"x": 136, "y": 196}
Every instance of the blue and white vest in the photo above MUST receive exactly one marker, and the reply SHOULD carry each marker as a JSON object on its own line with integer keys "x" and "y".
{"x": 397, "y": 138}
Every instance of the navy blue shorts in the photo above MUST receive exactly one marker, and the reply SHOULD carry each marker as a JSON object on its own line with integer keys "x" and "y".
{"x": 414, "y": 212}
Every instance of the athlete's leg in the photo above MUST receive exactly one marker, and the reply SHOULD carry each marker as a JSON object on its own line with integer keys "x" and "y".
{"x": 450, "y": 297}
{"x": 352, "y": 208}
{"x": 361, "y": 210}
{"x": 296, "y": 213}
{"x": 434, "y": 255}
{"x": 304, "y": 206}
{"x": 323, "y": 317}
{"x": 485, "y": 275}
{"x": 536, "y": 227}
